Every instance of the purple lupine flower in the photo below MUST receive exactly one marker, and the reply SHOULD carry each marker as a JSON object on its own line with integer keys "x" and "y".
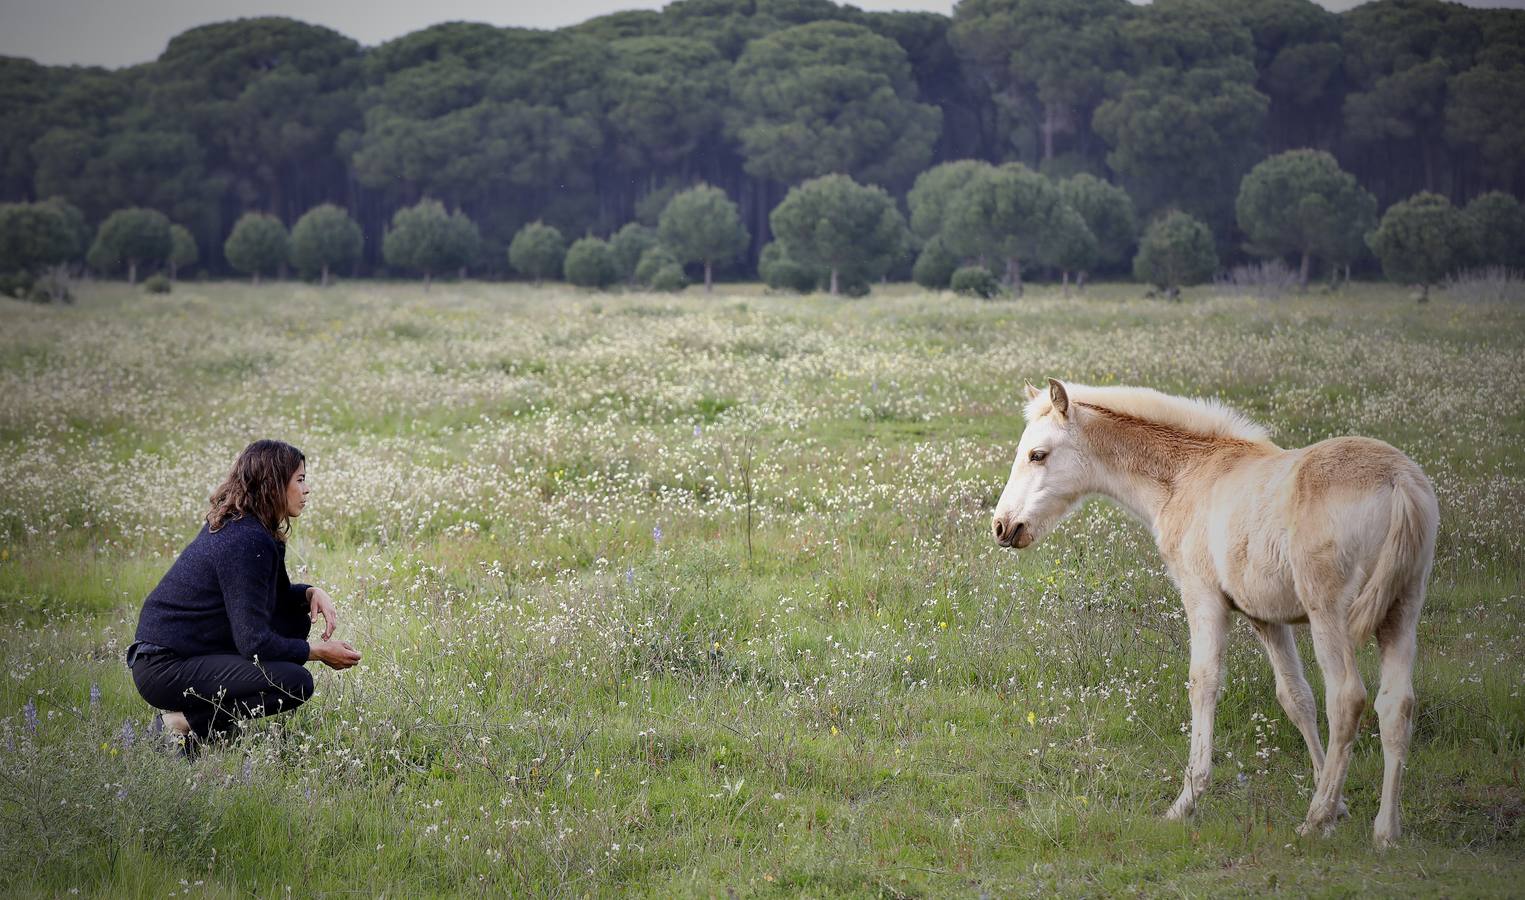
{"x": 29, "y": 715}
{"x": 156, "y": 726}
{"x": 121, "y": 794}
{"x": 630, "y": 575}
{"x": 656, "y": 533}
{"x": 696, "y": 430}
{"x": 248, "y": 768}
{"x": 129, "y": 733}
{"x": 95, "y": 696}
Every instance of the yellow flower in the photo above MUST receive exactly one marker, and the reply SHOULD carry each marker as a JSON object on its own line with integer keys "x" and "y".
{"x": 834, "y": 730}
{"x": 943, "y": 625}
{"x": 1032, "y": 718}
{"x": 597, "y": 772}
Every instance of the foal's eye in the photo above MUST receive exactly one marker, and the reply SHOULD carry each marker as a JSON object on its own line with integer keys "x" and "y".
{"x": 1038, "y": 456}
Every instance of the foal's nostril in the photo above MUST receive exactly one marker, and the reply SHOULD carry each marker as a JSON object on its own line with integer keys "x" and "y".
{"x": 1018, "y": 532}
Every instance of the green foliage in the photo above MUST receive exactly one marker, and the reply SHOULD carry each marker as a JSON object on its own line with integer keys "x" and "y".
{"x": 934, "y": 265}
{"x": 1070, "y": 247}
{"x": 325, "y": 238}
{"x": 1176, "y": 251}
{"x": 590, "y": 263}
{"x": 1302, "y": 202}
{"x": 702, "y": 225}
{"x": 628, "y": 245}
{"x": 835, "y": 224}
{"x": 1421, "y": 240}
{"x": 1498, "y": 222}
{"x": 157, "y": 283}
{"x": 34, "y": 236}
{"x": 829, "y": 97}
{"x": 657, "y": 267}
{"x": 665, "y": 96}
{"x": 1107, "y": 211}
{"x": 130, "y": 237}
{"x": 538, "y": 250}
{"x": 424, "y": 238}
{"x": 781, "y": 273}
{"x": 975, "y": 281}
{"x": 259, "y": 245}
{"x": 928, "y": 199}
{"x": 183, "y": 251}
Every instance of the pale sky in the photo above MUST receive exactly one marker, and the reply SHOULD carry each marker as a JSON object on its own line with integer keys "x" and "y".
{"x": 123, "y": 32}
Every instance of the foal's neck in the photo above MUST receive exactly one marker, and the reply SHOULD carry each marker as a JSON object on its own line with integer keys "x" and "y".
{"x": 1139, "y": 463}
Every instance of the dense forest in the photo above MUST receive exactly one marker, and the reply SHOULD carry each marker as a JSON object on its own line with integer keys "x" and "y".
{"x": 594, "y": 126}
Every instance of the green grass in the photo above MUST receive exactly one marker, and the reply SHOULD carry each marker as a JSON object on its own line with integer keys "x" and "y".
{"x": 586, "y": 673}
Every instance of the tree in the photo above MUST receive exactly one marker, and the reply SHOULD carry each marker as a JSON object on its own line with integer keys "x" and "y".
{"x": 538, "y": 250}
{"x": 425, "y": 238}
{"x": 34, "y": 236}
{"x": 130, "y": 237}
{"x": 1060, "y": 53}
{"x": 1070, "y": 246}
{"x": 1108, "y": 213}
{"x": 840, "y": 226}
{"x": 702, "y": 225}
{"x": 183, "y": 251}
{"x": 1176, "y": 250}
{"x": 1421, "y": 240}
{"x": 929, "y": 197}
{"x": 1007, "y": 214}
{"x": 1498, "y": 221}
{"x": 629, "y": 244}
{"x": 258, "y": 245}
{"x": 590, "y": 263}
{"x": 829, "y": 97}
{"x": 781, "y": 273}
{"x": 1300, "y": 202}
{"x": 659, "y": 270}
{"x": 325, "y": 238}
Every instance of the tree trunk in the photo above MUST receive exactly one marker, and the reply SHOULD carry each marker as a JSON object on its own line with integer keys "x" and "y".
{"x": 1302, "y": 275}
{"x": 1066, "y": 282}
{"x": 428, "y": 281}
{"x": 709, "y": 281}
{"x": 833, "y": 281}
{"x": 132, "y": 271}
{"x": 1048, "y": 132}
{"x": 1080, "y": 280}
{"x": 325, "y": 274}
{"x": 1014, "y": 274}
{"x": 1424, "y": 292}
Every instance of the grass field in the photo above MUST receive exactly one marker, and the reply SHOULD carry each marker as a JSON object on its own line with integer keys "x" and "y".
{"x": 696, "y": 595}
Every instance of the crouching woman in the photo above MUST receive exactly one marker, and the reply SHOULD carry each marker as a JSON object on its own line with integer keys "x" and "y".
{"x": 224, "y": 635}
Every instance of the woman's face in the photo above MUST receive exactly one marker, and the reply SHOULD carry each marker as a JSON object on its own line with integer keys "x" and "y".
{"x": 296, "y": 491}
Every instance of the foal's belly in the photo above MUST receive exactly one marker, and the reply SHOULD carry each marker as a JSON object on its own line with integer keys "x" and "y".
{"x": 1247, "y": 543}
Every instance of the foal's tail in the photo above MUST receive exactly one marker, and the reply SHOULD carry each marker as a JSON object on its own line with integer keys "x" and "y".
{"x": 1406, "y": 554}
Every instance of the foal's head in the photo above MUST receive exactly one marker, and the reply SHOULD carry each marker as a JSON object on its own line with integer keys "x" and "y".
{"x": 1048, "y": 475}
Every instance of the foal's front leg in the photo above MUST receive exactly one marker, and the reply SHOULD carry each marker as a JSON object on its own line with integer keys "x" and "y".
{"x": 1207, "y": 615}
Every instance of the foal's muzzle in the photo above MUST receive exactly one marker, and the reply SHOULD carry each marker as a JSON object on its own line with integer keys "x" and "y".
{"x": 1018, "y": 535}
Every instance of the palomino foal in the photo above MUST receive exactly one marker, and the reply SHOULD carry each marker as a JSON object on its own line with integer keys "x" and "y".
{"x": 1340, "y": 535}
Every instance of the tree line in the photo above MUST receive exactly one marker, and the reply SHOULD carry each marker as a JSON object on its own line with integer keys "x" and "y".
{"x": 591, "y": 128}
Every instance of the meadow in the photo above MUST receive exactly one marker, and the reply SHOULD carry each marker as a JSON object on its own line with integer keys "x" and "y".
{"x": 695, "y": 595}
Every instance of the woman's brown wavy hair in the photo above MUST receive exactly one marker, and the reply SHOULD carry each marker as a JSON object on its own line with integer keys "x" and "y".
{"x": 256, "y": 487}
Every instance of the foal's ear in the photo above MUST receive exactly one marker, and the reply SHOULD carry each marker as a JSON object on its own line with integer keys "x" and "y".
{"x": 1032, "y": 392}
{"x": 1061, "y": 399}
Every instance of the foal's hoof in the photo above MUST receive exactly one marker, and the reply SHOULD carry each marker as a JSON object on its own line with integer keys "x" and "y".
{"x": 1385, "y": 837}
{"x": 1178, "y": 812}
{"x": 1311, "y": 828}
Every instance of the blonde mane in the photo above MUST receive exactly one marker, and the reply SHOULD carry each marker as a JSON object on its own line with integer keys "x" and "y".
{"x": 1210, "y": 418}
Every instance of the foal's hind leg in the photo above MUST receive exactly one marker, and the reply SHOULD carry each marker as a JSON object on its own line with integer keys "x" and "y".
{"x": 1395, "y": 712}
{"x": 1344, "y": 701}
{"x": 1294, "y": 693}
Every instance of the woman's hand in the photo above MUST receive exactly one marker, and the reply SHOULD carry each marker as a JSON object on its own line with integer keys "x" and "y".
{"x": 334, "y": 654}
{"x": 320, "y": 604}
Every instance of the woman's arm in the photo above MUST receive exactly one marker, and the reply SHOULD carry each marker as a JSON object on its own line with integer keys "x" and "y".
{"x": 246, "y": 568}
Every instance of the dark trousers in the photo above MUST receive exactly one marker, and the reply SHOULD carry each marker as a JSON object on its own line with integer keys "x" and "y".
{"x": 218, "y": 690}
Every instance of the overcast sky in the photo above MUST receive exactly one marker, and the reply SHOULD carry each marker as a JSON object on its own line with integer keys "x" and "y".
{"x": 123, "y": 32}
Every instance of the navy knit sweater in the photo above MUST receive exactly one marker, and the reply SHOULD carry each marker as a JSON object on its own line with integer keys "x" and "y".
{"x": 223, "y": 594}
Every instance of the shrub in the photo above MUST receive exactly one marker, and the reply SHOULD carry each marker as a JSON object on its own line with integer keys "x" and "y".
{"x": 934, "y": 266}
{"x": 258, "y": 245}
{"x": 325, "y": 238}
{"x": 975, "y": 281}
{"x": 669, "y": 279}
{"x": 781, "y": 273}
{"x": 157, "y": 284}
{"x": 658, "y": 264}
{"x": 590, "y": 263}
{"x": 538, "y": 250}
{"x": 1176, "y": 250}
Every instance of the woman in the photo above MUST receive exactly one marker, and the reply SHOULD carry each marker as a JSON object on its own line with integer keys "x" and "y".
{"x": 224, "y": 635}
